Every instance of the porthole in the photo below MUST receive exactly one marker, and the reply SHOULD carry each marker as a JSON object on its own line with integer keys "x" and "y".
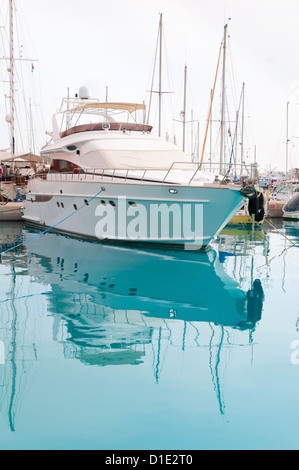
{"x": 75, "y": 207}
{"x": 62, "y": 205}
{"x": 103, "y": 202}
{"x": 71, "y": 148}
{"x": 173, "y": 191}
{"x": 58, "y": 205}
{"x": 86, "y": 202}
{"x": 133, "y": 204}
{"x": 112, "y": 203}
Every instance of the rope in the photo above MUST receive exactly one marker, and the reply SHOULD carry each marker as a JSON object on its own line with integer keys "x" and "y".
{"x": 53, "y": 226}
{"x": 273, "y": 226}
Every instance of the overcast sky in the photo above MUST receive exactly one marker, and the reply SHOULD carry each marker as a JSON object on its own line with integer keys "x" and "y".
{"x": 112, "y": 43}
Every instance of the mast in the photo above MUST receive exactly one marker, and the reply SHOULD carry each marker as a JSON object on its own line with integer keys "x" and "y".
{"x": 242, "y": 137}
{"x": 211, "y": 131}
{"x": 192, "y": 137}
{"x": 160, "y": 73}
{"x": 198, "y": 142}
{"x": 287, "y": 140}
{"x": 236, "y": 146}
{"x": 184, "y": 111}
{"x": 223, "y": 101}
{"x": 12, "y": 77}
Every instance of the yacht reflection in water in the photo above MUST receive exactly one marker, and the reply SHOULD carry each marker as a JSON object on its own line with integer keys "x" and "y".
{"x": 110, "y": 301}
{"x": 112, "y": 304}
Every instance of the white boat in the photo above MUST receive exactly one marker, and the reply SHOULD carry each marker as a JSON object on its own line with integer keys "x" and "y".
{"x": 285, "y": 191}
{"x": 111, "y": 179}
{"x": 291, "y": 209}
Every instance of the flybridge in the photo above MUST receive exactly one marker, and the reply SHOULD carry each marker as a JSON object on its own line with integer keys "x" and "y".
{"x": 84, "y": 114}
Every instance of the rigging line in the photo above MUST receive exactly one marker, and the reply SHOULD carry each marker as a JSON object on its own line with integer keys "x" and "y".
{"x": 53, "y": 226}
{"x": 234, "y": 139}
{"x": 153, "y": 77}
{"x": 233, "y": 74}
{"x": 210, "y": 111}
{"x": 168, "y": 70}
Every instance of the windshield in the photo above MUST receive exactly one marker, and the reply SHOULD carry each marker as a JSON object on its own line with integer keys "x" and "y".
{"x": 292, "y": 205}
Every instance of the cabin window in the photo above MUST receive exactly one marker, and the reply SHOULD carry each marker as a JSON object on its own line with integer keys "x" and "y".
{"x": 71, "y": 148}
{"x": 63, "y": 166}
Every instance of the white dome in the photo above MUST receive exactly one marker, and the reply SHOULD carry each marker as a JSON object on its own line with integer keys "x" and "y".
{"x": 84, "y": 93}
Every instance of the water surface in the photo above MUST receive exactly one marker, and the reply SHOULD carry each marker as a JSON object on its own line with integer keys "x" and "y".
{"x": 116, "y": 347}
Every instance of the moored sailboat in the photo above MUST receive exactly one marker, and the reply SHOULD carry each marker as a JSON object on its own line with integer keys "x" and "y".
{"x": 16, "y": 165}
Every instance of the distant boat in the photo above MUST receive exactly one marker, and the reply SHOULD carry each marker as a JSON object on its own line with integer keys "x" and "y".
{"x": 284, "y": 191}
{"x": 291, "y": 209}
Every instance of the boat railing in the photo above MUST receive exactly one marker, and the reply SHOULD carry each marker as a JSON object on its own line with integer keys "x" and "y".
{"x": 184, "y": 173}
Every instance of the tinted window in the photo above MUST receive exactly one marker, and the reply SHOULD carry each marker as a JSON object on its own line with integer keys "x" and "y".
{"x": 63, "y": 166}
{"x": 292, "y": 205}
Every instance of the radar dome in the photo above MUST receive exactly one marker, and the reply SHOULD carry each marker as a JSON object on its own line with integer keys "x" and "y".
{"x": 84, "y": 93}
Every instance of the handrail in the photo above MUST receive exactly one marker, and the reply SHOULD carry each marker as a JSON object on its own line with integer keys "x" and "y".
{"x": 142, "y": 175}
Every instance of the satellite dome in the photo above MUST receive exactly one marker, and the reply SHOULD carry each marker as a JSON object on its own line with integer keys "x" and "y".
{"x": 84, "y": 93}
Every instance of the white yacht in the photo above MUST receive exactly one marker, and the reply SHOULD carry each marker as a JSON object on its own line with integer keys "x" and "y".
{"x": 111, "y": 179}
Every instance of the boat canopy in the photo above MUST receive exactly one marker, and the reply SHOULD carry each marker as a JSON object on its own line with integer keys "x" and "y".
{"x": 131, "y": 153}
{"x": 117, "y": 151}
{"x": 130, "y": 107}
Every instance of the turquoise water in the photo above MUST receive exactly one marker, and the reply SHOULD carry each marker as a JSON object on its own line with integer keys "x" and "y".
{"x": 113, "y": 347}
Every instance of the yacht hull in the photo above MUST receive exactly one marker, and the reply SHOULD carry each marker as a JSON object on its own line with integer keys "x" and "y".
{"x": 146, "y": 213}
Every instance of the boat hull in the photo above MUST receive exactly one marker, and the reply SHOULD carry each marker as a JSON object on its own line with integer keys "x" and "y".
{"x": 145, "y": 213}
{"x": 10, "y": 211}
{"x": 291, "y": 215}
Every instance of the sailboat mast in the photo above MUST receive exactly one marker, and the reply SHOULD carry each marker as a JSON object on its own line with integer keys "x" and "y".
{"x": 12, "y": 77}
{"x": 211, "y": 131}
{"x": 242, "y": 138}
{"x": 184, "y": 112}
{"x": 287, "y": 140}
{"x": 160, "y": 73}
{"x": 223, "y": 101}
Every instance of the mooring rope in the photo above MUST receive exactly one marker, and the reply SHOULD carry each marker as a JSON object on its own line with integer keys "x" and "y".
{"x": 53, "y": 226}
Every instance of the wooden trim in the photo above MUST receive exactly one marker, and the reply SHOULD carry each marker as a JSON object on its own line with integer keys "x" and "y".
{"x": 114, "y": 126}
